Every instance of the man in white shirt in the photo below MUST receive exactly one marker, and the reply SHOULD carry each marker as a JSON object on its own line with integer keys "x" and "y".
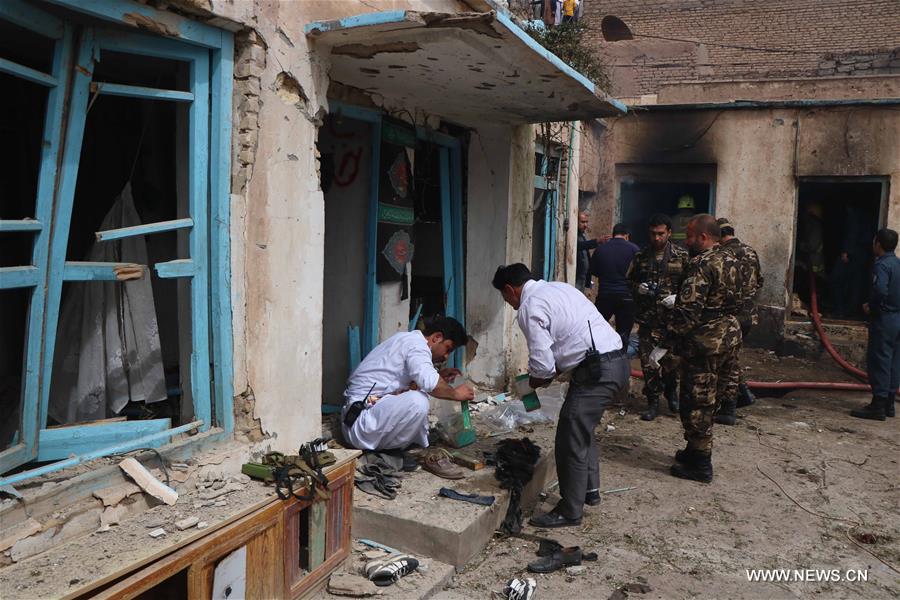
{"x": 565, "y": 333}
{"x": 386, "y": 400}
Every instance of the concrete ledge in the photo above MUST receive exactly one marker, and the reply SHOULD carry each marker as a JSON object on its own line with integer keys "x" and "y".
{"x": 421, "y": 522}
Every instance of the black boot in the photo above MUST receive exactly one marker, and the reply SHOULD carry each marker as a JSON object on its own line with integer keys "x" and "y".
{"x": 672, "y": 395}
{"x": 725, "y": 414}
{"x": 874, "y": 410}
{"x": 652, "y": 410}
{"x": 745, "y": 396}
{"x": 697, "y": 468}
{"x": 683, "y": 456}
{"x": 889, "y": 408}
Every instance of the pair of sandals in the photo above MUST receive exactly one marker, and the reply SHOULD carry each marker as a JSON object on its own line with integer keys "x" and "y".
{"x": 377, "y": 480}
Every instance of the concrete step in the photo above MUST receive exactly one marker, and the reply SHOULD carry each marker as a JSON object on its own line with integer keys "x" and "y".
{"x": 421, "y": 522}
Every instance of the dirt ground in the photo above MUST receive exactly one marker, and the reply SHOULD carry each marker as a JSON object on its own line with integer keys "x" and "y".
{"x": 798, "y": 485}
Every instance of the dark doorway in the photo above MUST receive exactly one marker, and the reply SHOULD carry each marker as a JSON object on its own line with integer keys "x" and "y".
{"x": 427, "y": 294}
{"x": 836, "y": 221}
{"x": 640, "y": 199}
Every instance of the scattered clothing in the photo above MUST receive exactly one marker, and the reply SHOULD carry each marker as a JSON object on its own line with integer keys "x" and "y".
{"x": 472, "y": 498}
{"x": 377, "y": 473}
{"x": 516, "y": 460}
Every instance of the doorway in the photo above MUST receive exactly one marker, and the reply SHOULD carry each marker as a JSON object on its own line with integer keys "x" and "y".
{"x": 640, "y": 199}
{"x": 836, "y": 221}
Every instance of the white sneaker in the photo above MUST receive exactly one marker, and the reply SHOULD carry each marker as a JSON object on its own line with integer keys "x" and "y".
{"x": 520, "y": 589}
{"x": 385, "y": 571}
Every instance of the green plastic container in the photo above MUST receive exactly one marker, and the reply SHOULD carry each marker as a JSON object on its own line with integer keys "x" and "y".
{"x": 529, "y": 397}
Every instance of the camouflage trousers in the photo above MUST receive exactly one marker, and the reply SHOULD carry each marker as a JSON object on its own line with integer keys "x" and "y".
{"x": 703, "y": 379}
{"x": 654, "y": 379}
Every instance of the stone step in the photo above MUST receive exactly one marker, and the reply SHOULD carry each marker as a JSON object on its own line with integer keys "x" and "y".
{"x": 421, "y": 522}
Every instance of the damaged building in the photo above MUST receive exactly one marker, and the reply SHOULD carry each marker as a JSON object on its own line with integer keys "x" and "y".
{"x": 782, "y": 119}
{"x": 214, "y": 209}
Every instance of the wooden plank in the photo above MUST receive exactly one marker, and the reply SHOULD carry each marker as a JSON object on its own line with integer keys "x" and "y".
{"x": 353, "y": 347}
{"x": 101, "y": 271}
{"x": 147, "y": 229}
{"x": 136, "y": 91}
{"x": 60, "y": 442}
{"x": 18, "y": 277}
{"x": 317, "y": 528}
{"x": 148, "y": 482}
{"x": 26, "y": 73}
{"x": 265, "y": 575}
{"x": 7, "y": 226}
{"x": 183, "y": 267}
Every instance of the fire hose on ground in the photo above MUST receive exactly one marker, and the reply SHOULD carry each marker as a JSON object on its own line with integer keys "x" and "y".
{"x": 810, "y": 385}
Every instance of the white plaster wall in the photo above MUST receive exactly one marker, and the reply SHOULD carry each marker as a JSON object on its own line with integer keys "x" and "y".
{"x": 488, "y": 213}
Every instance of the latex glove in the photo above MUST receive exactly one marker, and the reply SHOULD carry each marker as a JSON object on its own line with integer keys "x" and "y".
{"x": 644, "y": 289}
{"x": 668, "y": 301}
{"x": 656, "y": 355}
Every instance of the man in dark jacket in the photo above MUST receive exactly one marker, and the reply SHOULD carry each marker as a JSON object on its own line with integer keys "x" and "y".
{"x": 609, "y": 265}
{"x": 883, "y": 308}
{"x": 582, "y": 276}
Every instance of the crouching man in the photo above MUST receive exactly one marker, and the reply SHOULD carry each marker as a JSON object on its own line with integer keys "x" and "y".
{"x": 386, "y": 400}
{"x": 565, "y": 333}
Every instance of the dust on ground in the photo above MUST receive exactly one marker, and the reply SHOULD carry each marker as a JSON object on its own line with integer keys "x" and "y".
{"x": 795, "y": 479}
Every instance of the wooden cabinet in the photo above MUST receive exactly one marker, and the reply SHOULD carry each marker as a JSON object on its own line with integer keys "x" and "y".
{"x": 286, "y": 549}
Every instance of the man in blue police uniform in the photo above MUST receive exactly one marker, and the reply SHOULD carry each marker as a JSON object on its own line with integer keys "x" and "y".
{"x": 883, "y": 308}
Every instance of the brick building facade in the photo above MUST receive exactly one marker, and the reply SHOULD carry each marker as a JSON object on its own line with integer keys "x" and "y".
{"x": 703, "y": 40}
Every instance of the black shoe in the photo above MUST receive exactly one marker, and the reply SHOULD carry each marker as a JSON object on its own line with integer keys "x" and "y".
{"x": 672, "y": 395}
{"x": 410, "y": 462}
{"x": 699, "y": 468}
{"x": 565, "y": 557}
{"x": 652, "y": 410}
{"x": 874, "y": 411}
{"x": 889, "y": 408}
{"x": 592, "y": 498}
{"x": 725, "y": 414}
{"x": 745, "y": 396}
{"x": 553, "y": 519}
{"x": 683, "y": 456}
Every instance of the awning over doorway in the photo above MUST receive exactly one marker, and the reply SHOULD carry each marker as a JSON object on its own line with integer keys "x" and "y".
{"x": 467, "y": 67}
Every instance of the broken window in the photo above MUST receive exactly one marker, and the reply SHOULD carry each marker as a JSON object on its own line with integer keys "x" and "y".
{"x": 105, "y": 239}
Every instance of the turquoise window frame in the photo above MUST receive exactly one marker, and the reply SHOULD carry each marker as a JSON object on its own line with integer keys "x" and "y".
{"x": 545, "y": 181}
{"x": 451, "y": 214}
{"x": 209, "y": 53}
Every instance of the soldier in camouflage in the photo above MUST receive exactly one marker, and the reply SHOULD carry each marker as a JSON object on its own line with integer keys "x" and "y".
{"x": 705, "y": 332}
{"x": 751, "y": 277}
{"x": 655, "y": 274}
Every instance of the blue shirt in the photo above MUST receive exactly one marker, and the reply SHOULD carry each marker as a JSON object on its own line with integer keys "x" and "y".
{"x": 610, "y": 264}
{"x": 885, "y": 294}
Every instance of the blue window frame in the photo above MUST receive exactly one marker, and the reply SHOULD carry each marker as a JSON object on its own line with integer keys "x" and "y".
{"x": 206, "y": 52}
{"x": 546, "y": 208}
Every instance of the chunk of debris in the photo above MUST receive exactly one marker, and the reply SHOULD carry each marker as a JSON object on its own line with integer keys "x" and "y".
{"x": 157, "y": 533}
{"x": 345, "y": 584}
{"x": 202, "y": 525}
{"x": 111, "y": 496}
{"x": 112, "y": 515}
{"x": 186, "y": 523}
{"x": 29, "y": 527}
{"x": 215, "y": 493}
{"x": 148, "y": 482}
{"x": 576, "y": 570}
{"x": 371, "y": 554}
{"x": 636, "y": 588}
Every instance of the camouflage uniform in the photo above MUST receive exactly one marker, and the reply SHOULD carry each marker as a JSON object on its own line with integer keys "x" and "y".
{"x": 705, "y": 331}
{"x": 748, "y": 316}
{"x": 665, "y": 277}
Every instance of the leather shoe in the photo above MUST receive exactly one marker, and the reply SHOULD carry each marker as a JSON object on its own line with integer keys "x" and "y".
{"x": 553, "y": 519}
{"x": 592, "y": 498}
{"x": 565, "y": 557}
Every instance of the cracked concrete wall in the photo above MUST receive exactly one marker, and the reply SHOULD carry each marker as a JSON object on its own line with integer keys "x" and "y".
{"x": 758, "y": 155}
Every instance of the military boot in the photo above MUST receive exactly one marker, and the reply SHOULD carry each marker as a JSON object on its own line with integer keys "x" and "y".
{"x": 652, "y": 410}
{"x": 725, "y": 415}
{"x": 874, "y": 410}
{"x": 672, "y": 395}
{"x": 697, "y": 467}
{"x": 889, "y": 408}
{"x": 745, "y": 396}
{"x": 683, "y": 456}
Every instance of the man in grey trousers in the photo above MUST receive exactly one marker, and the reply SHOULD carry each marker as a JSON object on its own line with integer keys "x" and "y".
{"x": 566, "y": 334}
